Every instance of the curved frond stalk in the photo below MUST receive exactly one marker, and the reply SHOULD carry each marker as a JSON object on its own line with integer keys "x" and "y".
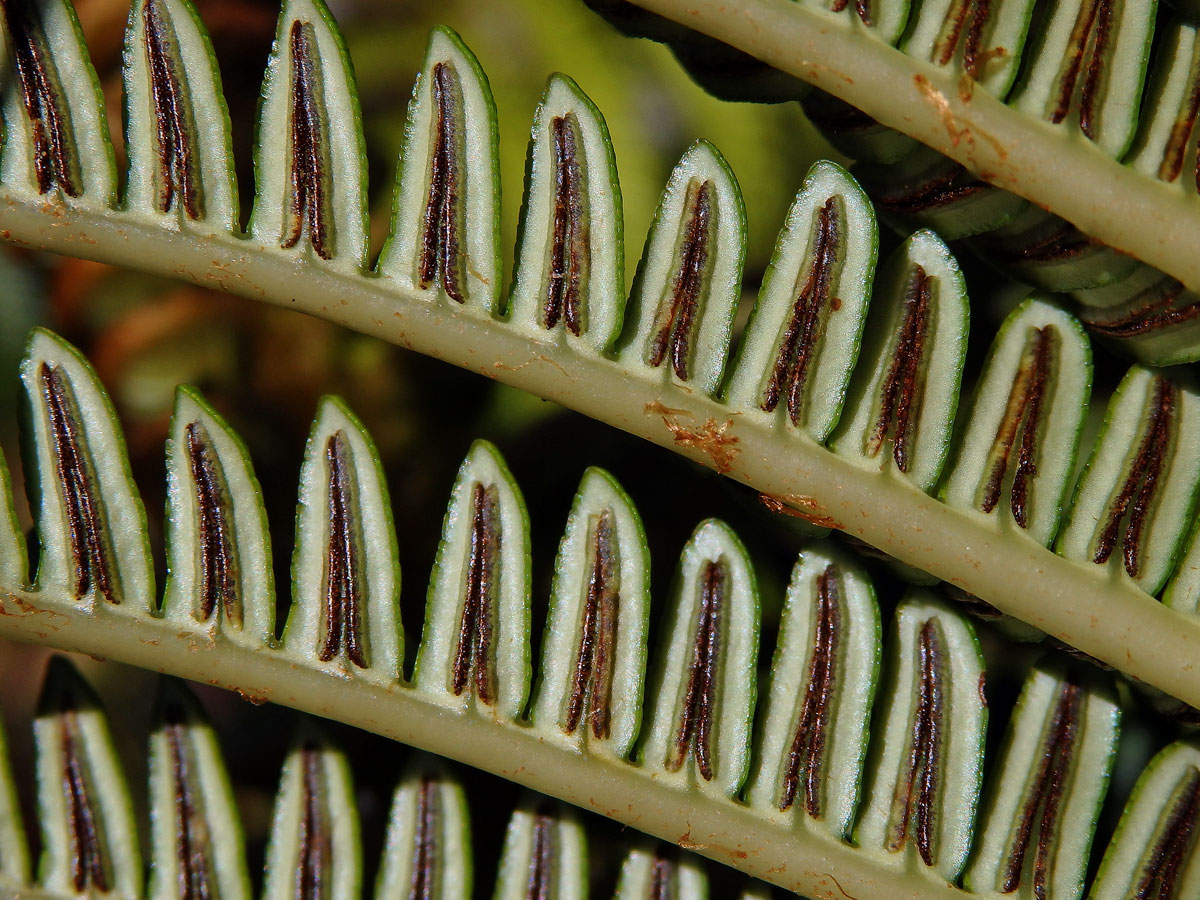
{"x": 823, "y": 677}
{"x": 445, "y": 234}
{"x": 571, "y": 252}
{"x": 841, "y": 487}
{"x": 680, "y": 315}
{"x": 176, "y": 121}
{"x": 594, "y": 656}
{"x": 197, "y": 841}
{"x": 427, "y": 853}
{"x": 89, "y": 842}
{"x": 310, "y": 161}
{"x": 1010, "y": 146}
{"x": 475, "y": 647}
{"x": 91, "y": 523}
{"x": 197, "y": 847}
{"x": 699, "y": 741}
{"x": 928, "y": 761}
{"x": 672, "y": 807}
{"x": 219, "y": 549}
{"x": 315, "y": 852}
{"x": 701, "y": 737}
{"x": 56, "y": 144}
{"x": 345, "y": 568}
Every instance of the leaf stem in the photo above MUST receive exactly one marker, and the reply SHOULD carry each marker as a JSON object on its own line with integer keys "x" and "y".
{"x": 1051, "y": 166}
{"x": 798, "y": 858}
{"x": 1101, "y": 614}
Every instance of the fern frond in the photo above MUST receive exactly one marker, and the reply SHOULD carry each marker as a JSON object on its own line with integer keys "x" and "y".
{"x": 176, "y": 123}
{"x": 1151, "y": 851}
{"x": 196, "y": 844}
{"x": 315, "y": 204}
{"x": 877, "y": 465}
{"x": 1069, "y": 71}
{"x": 685, "y": 752}
{"x": 89, "y": 841}
{"x": 219, "y": 566}
{"x": 928, "y": 758}
{"x": 315, "y": 850}
{"x": 444, "y": 244}
{"x": 1048, "y": 788}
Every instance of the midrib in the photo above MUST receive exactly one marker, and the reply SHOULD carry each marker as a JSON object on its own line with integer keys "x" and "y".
{"x": 1086, "y": 606}
{"x": 1055, "y": 168}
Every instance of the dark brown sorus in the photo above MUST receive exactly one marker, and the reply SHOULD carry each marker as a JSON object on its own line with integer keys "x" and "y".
{"x": 862, "y": 7}
{"x": 901, "y": 393}
{"x": 660, "y": 885}
{"x": 55, "y": 162}
{"x": 570, "y": 244}
{"x": 1058, "y": 243}
{"x": 591, "y": 688}
{"x": 1139, "y": 493}
{"x": 1151, "y": 310}
{"x": 174, "y": 129}
{"x": 915, "y": 800}
{"x": 194, "y": 877}
{"x": 814, "y": 301}
{"x": 541, "y": 884}
{"x": 678, "y": 313}
{"x": 342, "y": 619}
{"x": 425, "y": 861}
{"x": 442, "y": 224}
{"x": 977, "y": 12}
{"x": 806, "y": 758}
{"x": 79, "y": 491}
{"x": 1185, "y": 123}
{"x": 700, "y": 700}
{"x": 1165, "y": 865}
{"x": 89, "y": 856}
{"x": 474, "y": 651}
{"x": 309, "y": 169}
{"x": 1043, "y": 802}
{"x": 218, "y": 560}
{"x": 315, "y": 840}
{"x": 929, "y": 192}
{"x": 1022, "y": 415}
{"x": 1090, "y": 38}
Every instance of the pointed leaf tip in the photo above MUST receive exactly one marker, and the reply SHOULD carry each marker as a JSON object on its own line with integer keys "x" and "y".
{"x": 345, "y": 570}
{"x": 445, "y": 232}
{"x": 475, "y": 646}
